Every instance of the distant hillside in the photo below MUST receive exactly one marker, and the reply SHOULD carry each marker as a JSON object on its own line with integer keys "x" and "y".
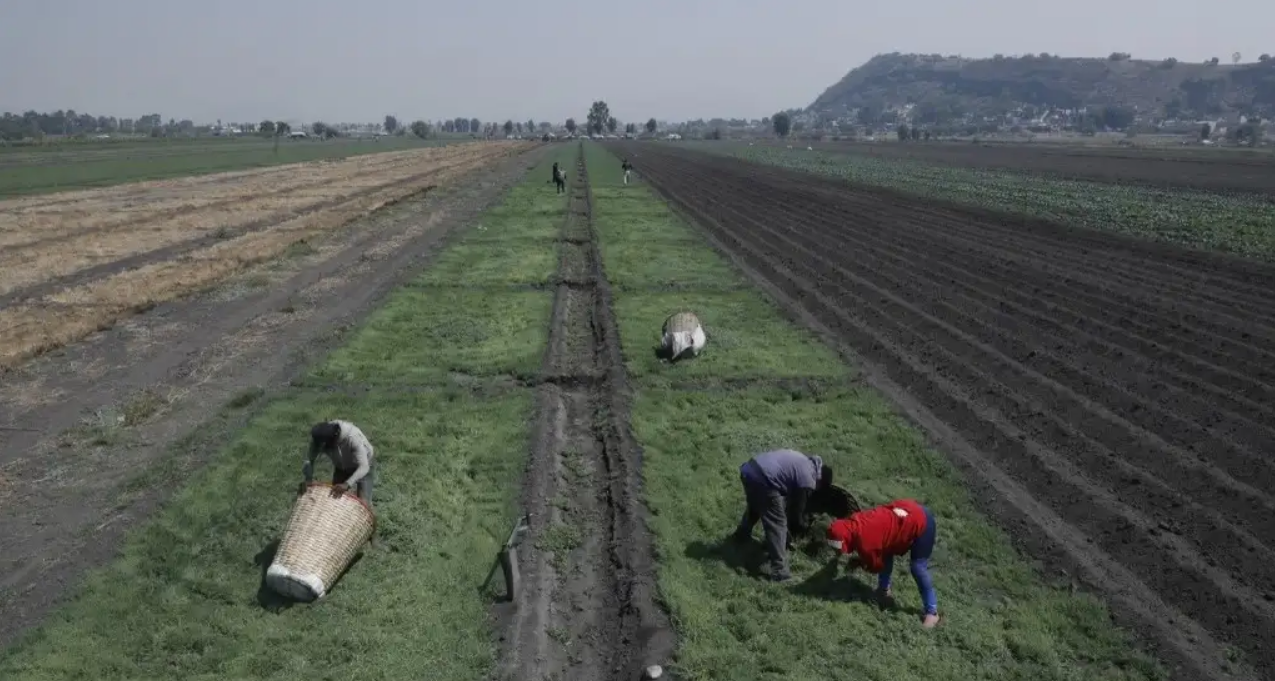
{"x": 949, "y": 87}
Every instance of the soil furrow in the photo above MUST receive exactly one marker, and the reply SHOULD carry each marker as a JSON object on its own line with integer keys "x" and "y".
{"x": 1070, "y": 425}
{"x": 587, "y": 609}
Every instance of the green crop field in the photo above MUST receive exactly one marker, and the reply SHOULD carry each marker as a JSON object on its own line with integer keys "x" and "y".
{"x": 1233, "y": 224}
{"x": 186, "y": 599}
{"x": 788, "y": 390}
{"x": 58, "y": 167}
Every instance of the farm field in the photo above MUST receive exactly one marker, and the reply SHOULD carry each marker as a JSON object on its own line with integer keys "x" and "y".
{"x": 427, "y": 377}
{"x": 1239, "y": 223}
{"x": 78, "y": 262}
{"x": 27, "y": 170}
{"x": 763, "y": 383}
{"x": 1109, "y": 400}
{"x": 1217, "y": 170}
{"x": 216, "y": 293}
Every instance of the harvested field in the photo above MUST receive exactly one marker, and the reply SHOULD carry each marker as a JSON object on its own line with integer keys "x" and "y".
{"x": 78, "y": 262}
{"x": 1111, "y": 400}
{"x": 96, "y": 435}
{"x": 1215, "y": 170}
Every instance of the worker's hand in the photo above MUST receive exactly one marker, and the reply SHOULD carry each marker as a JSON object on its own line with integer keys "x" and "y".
{"x": 885, "y": 598}
{"x": 339, "y": 489}
{"x": 930, "y": 621}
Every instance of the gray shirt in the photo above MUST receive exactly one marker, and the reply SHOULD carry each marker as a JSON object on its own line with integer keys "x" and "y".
{"x": 788, "y": 470}
{"x": 352, "y": 452}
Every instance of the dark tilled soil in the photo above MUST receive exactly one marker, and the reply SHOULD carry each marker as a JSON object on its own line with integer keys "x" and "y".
{"x": 587, "y": 608}
{"x": 1110, "y": 400}
{"x": 1231, "y": 171}
{"x": 72, "y": 473}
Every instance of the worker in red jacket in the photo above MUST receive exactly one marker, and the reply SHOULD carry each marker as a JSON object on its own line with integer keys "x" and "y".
{"x": 879, "y": 534}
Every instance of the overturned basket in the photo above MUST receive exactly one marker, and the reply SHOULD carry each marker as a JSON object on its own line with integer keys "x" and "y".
{"x": 323, "y": 536}
{"x": 833, "y": 501}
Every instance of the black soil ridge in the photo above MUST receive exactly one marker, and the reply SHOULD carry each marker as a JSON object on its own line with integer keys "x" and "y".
{"x": 588, "y": 608}
{"x": 1113, "y": 480}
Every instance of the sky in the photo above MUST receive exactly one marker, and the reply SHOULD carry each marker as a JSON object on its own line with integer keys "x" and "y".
{"x": 342, "y": 61}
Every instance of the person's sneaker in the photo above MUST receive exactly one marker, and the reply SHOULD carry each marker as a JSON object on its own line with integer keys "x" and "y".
{"x": 930, "y": 621}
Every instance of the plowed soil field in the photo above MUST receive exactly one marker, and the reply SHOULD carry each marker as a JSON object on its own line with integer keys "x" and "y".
{"x": 1112, "y": 401}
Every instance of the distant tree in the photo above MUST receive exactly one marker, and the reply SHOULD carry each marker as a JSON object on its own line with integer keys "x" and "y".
{"x": 571, "y": 125}
{"x": 651, "y": 125}
{"x": 596, "y": 121}
{"x": 903, "y": 133}
{"x": 509, "y": 128}
{"x": 1119, "y": 56}
{"x": 1213, "y": 62}
{"x": 281, "y": 128}
{"x": 916, "y": 133}
{"x": 475, "y": 125}
{"x": 1117, "y": 117}
{"x": 530, "y": 126}
{"x": 1205, "y": 131}
{"x": 391, "y": 124}
{"x": 319, "y": 128}
{"x": 630, "y": 128}
{"x": 419, "y": 128}
{"x": 927, "y": 135}
{"x": 612, "y": 124}
{"x": 266, "y": 127}
{"x": 1169, "y": 63}
{"x": 782, "y": 123}
{"x": 1264, "y": 58}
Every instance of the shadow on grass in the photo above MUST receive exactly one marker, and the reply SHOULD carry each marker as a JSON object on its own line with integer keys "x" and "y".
{"x": 275, "y": 602}
{"x": 665, "y": 354}
{"x": 830, "y": 583}
{"x": 743, "y": 556}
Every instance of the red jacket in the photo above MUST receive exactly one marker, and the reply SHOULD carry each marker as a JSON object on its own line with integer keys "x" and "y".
{"x": 880, "y": 532}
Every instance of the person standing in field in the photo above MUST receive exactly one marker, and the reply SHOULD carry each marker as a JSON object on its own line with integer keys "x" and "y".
{"x": 628, "y": 168}
{"x": 879, "y": 534}
{"x": 559, "y": 178}
{"x": 353, "y": 464}
{"x": 777, "y": 485}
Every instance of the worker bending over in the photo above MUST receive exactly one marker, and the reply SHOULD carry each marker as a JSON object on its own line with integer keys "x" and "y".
{"x": 352, "y": 458}
{"x": 777, "y": 486}
{"x": 879, "y": 534}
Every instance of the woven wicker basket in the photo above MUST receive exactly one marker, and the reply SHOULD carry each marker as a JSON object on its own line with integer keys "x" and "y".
{"x": 323, "y": 536}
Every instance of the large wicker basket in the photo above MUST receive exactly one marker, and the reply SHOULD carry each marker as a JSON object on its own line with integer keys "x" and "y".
{"x": 323, "y": 536}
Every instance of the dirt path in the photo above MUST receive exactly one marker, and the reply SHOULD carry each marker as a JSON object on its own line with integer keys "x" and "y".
{"x": 95, "y": 435}
{"x": 1111, "y": 400}
{"x": 587, "y": 609}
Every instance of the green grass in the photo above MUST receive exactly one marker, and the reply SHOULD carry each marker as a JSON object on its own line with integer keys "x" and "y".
{"x": 1003, "y": 622}
{"x": 479, "y": 333}
{"x": 1240, "y": 225}
{"x": 185, "y": 599}
{"x": 81, "y": 166}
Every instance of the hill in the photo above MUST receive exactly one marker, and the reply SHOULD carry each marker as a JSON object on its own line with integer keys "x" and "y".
{"x": 946, "y": 88}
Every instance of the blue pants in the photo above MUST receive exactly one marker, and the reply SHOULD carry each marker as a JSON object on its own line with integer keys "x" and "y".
{"x": 919, "y": 558}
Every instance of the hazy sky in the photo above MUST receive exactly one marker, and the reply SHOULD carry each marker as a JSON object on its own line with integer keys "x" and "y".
{"x": 672, "y": 59}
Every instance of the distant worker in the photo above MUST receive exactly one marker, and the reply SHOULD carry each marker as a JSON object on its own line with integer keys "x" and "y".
{"x": 879, "y": 534}
{"x": 777, "y": 485}
{"x": 559, "y": 178}
{"x": 352, "y": 458}
{"x": 628, "y": 168}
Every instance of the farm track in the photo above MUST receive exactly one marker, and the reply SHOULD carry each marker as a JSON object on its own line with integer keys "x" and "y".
{"x": 1112, "y": 401}
{"x": 1225, "y": 172}
{"x": 587, "y": 609}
